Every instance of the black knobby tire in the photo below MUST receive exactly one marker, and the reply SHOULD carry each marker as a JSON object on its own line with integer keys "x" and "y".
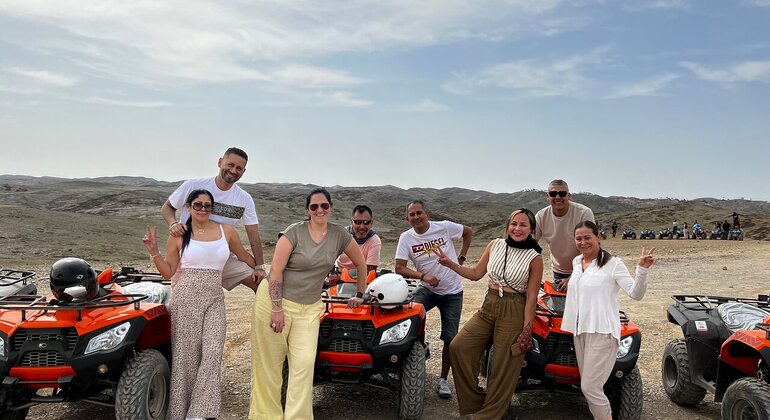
{"x": 746, "y": 398}
{"x": 628, "y": 400}
{"x": 412, "y": 394}
{"x": 14, "y": 414}
{"x": 143, "y": 389}
{"x": 676, "y": 376}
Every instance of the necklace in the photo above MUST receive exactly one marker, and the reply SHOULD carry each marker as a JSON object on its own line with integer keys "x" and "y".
{"x": 200, "y": 229}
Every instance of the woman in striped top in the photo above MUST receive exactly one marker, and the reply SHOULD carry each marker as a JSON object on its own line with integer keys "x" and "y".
{"x": 515, "y": 268}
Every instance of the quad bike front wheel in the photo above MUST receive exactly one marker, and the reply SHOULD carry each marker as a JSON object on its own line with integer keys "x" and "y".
{"x": 6, "y": 413}
{"x": 675, "y": 372}
{"x": 626, "y": 396}
{"x": 412, "y": 393}
{"x": 143, "y": 389}
{"x": 746, "y": 398}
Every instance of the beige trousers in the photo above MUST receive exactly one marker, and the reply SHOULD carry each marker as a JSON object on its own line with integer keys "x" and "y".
{"x": 596, "y": 355}
{"x": 298, "y": 342}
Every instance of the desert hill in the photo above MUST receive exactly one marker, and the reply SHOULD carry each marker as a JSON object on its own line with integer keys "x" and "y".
{"x": 44, "y": 205}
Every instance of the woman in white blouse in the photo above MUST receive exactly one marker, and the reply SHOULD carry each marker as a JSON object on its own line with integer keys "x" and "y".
{"x": 592, "y": 309}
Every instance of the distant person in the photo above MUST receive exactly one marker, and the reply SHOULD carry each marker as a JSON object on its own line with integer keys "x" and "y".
{"x": 591, "y": 311}
{"x": 234, "y": 206}
{"x": 286, "y": 318}
{"x": 697, "y": 230}
{"x": 725, "y": 229}
{"x": 736, "y": 221}
{"x": 686, "y": 231}
{"x": 614, "y": 228}
{"x": 194, "y": 263}
{"x": 515, "y": 269}
{"x": 439, "y": 286}
{"x": 556, "y": 224}
{"x": 361, "y": 227}
{"x": 674, "y": 229}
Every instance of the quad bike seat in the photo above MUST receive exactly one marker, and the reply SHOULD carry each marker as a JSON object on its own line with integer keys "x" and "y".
{"x": 741, "y": 316}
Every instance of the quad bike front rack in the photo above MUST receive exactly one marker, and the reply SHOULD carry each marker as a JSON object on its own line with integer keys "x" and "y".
{"x": 26, "y": 303}
{"x": 9, "y": 277}
{"x": 709, "y": 303}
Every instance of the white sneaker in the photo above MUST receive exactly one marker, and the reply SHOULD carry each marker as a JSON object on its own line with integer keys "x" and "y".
{"x": 443, "y": 389}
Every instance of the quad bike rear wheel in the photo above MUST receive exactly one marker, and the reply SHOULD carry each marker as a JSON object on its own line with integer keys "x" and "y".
{"x": 675, "y": 372}
{"x": 746, "y": 398}
{"x": 143, "y": 389}
{"x": 412, "y": 393}
{"x": 626, "y": 396}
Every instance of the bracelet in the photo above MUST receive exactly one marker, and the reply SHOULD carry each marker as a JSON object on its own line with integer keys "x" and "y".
{"x": 172, "y": 225}
{"x": 152, "y": 257}
{"x": 422, "y": 275}
{"x": 259, "y": 267}
{"x": 279, "y": 310}
{"x": 276, "y": 300}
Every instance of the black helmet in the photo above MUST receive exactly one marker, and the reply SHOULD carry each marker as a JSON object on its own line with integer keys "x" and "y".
{"x": 73, "y": 278}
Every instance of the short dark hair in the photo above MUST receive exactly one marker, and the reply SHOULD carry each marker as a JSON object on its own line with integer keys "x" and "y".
{"x": 236, "y": 151}
{"x": 362, "y": 208}
{"x": 420, "y": 202}
{"x": 319, "y": 190}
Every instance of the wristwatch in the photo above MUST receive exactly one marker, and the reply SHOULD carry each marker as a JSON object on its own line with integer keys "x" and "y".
{"x": 360, "y": 295}
{"x": 461, "y": 258}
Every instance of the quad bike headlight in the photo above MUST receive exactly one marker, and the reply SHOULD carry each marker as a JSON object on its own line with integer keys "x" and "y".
{"x": 396, "y": 333}
{"x": 109, "y": 339}
{"x": 625, "y": 346}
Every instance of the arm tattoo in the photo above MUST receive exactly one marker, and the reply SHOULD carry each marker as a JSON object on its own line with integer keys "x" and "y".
{"x": 276, "y": 292}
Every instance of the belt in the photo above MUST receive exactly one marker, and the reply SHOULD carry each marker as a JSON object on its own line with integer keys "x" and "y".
{"x": 500, "y": 292}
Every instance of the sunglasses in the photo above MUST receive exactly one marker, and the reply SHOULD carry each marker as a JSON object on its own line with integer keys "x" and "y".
{"x": 314, "y": 207}
{"x": 561, "y": 194}
{"x": 364, "y": 222}
{"x": 197, "y": 206}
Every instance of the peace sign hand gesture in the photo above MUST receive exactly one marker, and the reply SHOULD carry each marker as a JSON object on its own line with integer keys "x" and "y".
{"x": 647, "y": 258}
{"x": 150, "y": 240}
{"x": 443, "y": 259}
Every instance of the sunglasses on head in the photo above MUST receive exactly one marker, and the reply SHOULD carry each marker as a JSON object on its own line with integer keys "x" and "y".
{"x": 314, "y": 207}
{"x": 198, "y": 206}
{"x": 365, "y": 222}
{"x": 561, "y": 194}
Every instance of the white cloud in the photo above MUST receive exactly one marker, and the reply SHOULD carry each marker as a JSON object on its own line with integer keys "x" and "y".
{"x": 313, "y": 77}
{"x": 760, "y": 3}
{"x": 118, "y": 102}
{"x": 426, "y": 105}
{"x": 339, "y": 99}
{"x": 45, "y": 77}
{"x": 204, "y": 41}
{"x": 640, "y": 5}
{"x": 649, "y": 87}
{"x": 747, "y": 71}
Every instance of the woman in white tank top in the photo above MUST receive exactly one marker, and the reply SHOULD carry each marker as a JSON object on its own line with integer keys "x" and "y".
{"x": 197, "y": 305}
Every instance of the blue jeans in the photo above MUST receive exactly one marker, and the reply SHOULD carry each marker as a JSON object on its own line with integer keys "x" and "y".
{"x": 557, "y": 278}
{"x": 449, "y": 306}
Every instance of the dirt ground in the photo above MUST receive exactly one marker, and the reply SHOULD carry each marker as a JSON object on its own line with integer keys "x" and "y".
{"x": 710, "y": 267}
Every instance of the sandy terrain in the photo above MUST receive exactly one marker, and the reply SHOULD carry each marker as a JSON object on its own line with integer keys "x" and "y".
{"x": 714, "y": 267}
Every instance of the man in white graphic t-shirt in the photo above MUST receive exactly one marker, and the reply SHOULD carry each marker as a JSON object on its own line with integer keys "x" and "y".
{"x": 439, "y": 285}
{"x": 233, "y": 206}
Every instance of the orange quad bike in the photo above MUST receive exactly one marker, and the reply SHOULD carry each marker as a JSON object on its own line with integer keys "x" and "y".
{"x": 380, "y": 343}
{"x": 551, "y": 363}
{"x": 725, "y": 351}
{"x": 112, "y": 349}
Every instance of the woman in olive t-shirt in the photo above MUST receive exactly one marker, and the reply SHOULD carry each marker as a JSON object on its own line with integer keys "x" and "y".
{"x": 286, "y": 311}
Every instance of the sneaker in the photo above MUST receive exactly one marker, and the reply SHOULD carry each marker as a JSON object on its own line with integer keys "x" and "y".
{"x": 443, "y": 389}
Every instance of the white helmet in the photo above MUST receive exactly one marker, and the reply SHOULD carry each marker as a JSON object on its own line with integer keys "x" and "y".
{"x": 389, "y": 288}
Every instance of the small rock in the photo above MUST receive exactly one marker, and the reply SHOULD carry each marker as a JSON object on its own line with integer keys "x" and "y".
{"x": 724, "y": 267}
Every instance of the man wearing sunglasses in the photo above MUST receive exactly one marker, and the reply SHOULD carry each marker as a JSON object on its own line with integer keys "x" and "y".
{"x": 368, "y": 241}
{"x": 233, "y": 206}
{"x": 556, "y": 224}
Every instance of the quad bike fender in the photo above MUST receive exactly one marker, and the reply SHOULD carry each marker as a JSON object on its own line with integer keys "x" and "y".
{"x": 740, "y": 356}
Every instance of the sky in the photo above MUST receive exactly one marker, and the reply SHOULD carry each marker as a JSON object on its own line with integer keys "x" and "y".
{"x": 643, "y": 98}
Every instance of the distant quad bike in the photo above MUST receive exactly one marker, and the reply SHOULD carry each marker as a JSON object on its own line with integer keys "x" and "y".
{"x": 381, "y": 342}
{"x": 603, "y": 233}
{"x": 725, "y": 351}
{"x": 717, "y": 233}
{"x": 551, "y": 364}
{"x": 665, "y": 233}
{"x": 736, "y": 234}
{"x": 698, "y": 233}
{"x": 90, "y": 342}
{"x": 16, "y": 282}
{"x": 629, "y": 234}
{"x": 647, "y": 234}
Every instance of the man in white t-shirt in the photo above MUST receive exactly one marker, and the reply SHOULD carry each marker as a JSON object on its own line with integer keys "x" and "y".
{"x": 232, "y": 206}
{"x": 556, "y": 224}
{"x": 439, "y": 285}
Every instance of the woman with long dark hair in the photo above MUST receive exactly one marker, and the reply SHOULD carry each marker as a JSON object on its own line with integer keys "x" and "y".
{"x": 515, "y": 268}
{"x": 197, "y": 306}
{"x": 591, "y": 311}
